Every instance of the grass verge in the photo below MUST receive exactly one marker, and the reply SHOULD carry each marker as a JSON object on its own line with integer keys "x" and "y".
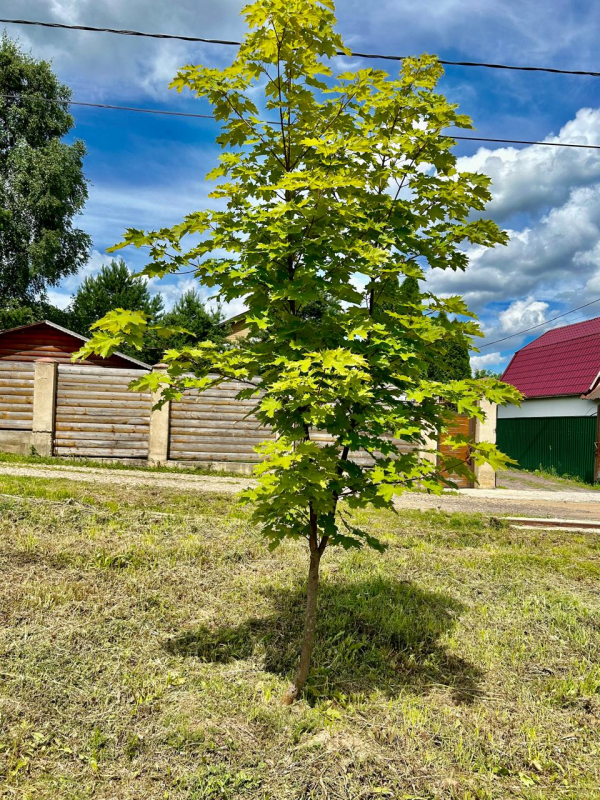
{"x": 148, "y": 635}
{"x": 12, "y": 458}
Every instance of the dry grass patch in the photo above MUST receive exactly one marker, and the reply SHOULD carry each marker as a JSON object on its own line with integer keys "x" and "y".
{"x": 147, "y": 637}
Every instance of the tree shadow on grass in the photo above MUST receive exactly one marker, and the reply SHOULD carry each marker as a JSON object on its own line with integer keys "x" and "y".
{"x": 374, "y": 634}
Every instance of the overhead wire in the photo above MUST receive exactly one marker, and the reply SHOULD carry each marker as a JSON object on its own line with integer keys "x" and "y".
{"x": 539, "y": 325}
{"x": 227, "y": 42}
{"x": 109, "y": 106}
{"x": 232, "y": 43}
{"x": 166, "y": 112}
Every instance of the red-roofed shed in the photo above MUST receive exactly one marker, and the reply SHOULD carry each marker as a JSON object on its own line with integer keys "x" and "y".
{"x": 48, "y": 340}
{"x": 561, "y": 363}
{"x": 556, "y": 426}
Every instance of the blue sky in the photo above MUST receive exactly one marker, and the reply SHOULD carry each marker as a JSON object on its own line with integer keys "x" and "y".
{"x": 148, "y": 171}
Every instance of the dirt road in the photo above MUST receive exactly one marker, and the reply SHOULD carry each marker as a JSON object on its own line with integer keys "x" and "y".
{"x": 546, "y": 502}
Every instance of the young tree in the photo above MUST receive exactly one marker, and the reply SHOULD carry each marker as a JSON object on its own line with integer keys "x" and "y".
{"x": 42, "y": 186}
{"x": 116, "y": 287}
{"x": 341, "y": 187}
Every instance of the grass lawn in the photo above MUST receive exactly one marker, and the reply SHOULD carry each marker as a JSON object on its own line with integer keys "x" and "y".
{"x": 147, "y": 636}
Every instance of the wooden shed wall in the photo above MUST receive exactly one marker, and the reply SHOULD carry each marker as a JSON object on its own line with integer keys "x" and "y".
{"x": 96, "y": 416}
{"x": 44, "y": 341}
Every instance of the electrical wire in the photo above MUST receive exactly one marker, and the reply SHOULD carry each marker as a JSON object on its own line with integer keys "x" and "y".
{"x": 165, "y": 112}
{"x": 109, "y": 106}
{"x": 541, "y": 324}
{"x": 525, "y": 141}
{"x": 228, "y": 42}
{"x": 445, "y": 62}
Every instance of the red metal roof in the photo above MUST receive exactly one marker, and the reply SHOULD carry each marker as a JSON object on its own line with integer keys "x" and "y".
{"x": 564, "y": 361}
{"x": 567, "y": 332}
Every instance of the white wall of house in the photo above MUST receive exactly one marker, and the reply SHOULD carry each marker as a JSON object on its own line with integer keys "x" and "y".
{"x": 550, "y": 407}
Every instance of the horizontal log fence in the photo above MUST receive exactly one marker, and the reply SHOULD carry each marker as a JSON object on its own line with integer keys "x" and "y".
{"x": 58, "y": 409}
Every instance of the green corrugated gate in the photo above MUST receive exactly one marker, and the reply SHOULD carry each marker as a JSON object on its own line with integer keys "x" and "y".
{"x": 566, "y": 445}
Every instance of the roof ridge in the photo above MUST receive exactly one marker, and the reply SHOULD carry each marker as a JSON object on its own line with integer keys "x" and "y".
{"x": 553, "y": 344}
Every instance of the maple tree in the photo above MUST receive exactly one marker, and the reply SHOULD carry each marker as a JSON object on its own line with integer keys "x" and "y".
{"x": 337, "y": 187}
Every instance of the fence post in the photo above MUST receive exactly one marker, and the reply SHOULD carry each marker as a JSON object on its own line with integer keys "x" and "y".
{"x": 485, "y": 475}
{"x": 44, "y": 406}
{"x": 430, "y": 443}
{"x": 160, "y": 426}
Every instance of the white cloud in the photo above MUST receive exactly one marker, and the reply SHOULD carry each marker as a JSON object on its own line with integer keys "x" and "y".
{"x": 488, "y": 360}
{"x": 487, "y": 29}
{"x": 58, "y": 298}
{"x": 112, "y": 208}
{"x": 173, "y": 288}
{"x": 127, "y": 65}
{"x": 61, "y": 295}
{"x": 93, "y": 266}
{"x": 130, "y": 64}
{"x": 537, "y": 178}
{"x": 552, "y": 258}
{"x": 172, "y": 292}
{"x": 522, "y": 314}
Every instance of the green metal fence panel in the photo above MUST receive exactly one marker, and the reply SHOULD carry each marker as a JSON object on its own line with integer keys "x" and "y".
{"x": 565, "y": 445}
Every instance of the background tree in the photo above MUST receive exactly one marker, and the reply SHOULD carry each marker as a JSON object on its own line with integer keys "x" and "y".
{"x": 354, "y": 186}
{"x": 116, "y": 287}
{"x": 487, "y": 373}
{"x": 42, "y": 186}
{"x": 450, "y": 361}
{"x": 13, "y": 314}
{"x": 189, "y": 312}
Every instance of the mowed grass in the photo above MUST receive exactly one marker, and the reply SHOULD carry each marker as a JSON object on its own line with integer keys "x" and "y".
{"x": 147, "y": 637}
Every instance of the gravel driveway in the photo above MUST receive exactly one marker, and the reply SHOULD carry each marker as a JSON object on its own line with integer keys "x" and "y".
{"x": 549, "y": 501}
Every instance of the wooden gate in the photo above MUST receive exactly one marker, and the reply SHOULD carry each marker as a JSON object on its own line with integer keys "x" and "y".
{"x": 460, "y": 426}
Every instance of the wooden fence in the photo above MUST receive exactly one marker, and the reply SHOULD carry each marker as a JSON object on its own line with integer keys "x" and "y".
{"x": 214, "y": 426}
{"x": 97, "y": 417}
{"x": 16, "y": 395}
{"x": 86, "y": 411}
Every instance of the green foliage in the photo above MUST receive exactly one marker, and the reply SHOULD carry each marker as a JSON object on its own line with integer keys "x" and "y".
{"x": 42, "y": 186}
{"x": 116, "y": 287}
{"x": 487, "y": 373}
{"x": 190, "y": 313}
{"x": 348, "y": 190}
{"x": 13, "y": 314}
{"x": 451, "y": 360}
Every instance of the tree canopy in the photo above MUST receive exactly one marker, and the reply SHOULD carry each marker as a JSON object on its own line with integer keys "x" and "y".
{"x": 487, "y": 373}
{"x": 329, "y": 185}
{"x": 451, "y": 360}
{"x": 116, "y": 287}
{"x": 190, "y": 313}
{"x": 42, "y": 185}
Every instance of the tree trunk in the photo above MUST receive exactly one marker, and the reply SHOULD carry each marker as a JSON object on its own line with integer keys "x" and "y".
{"x": 310, "y": 623}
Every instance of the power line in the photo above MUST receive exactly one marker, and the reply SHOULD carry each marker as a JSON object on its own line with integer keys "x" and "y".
{"x": 541, "y": 324}
{"x": 525, "y": 141}
{"x": 109, "y": 106}
{"x": 165, "y": 112}
{"x": 228, "y": 42}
